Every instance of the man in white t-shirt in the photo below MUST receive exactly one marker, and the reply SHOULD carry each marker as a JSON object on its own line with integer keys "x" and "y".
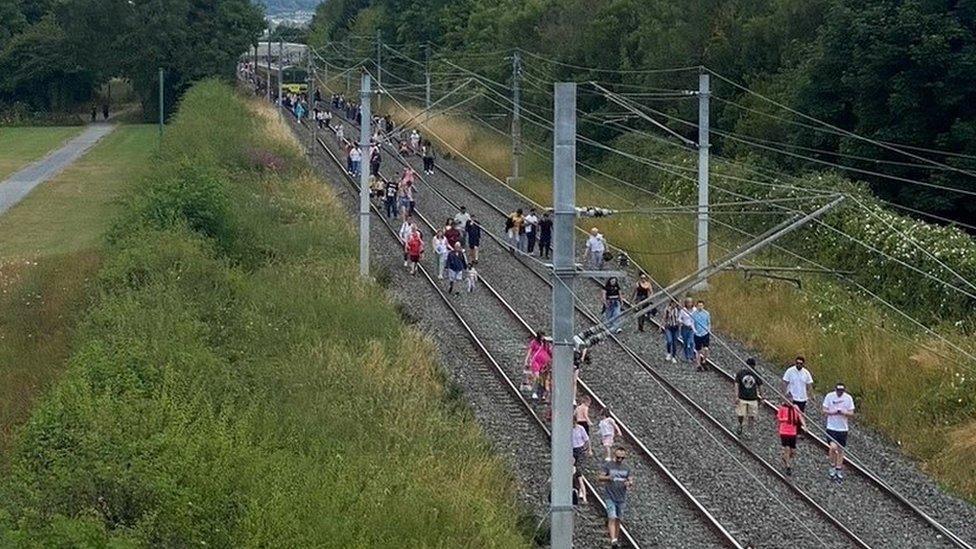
{"x": 838, "y": 407}
{"x": 595, "y": 247}
{"x": 530, "y": 226}
{"x": 798, "y": 382}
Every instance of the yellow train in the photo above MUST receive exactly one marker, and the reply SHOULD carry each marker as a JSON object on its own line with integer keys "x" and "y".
{"x": 293, "y": 79}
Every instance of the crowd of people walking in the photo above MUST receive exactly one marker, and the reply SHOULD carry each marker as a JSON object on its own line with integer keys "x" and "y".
{"x": 685, "y": 325}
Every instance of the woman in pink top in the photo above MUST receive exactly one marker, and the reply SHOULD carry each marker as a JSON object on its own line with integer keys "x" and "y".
{"x": 790, "y": 420}
{"x": 540, "y": 363}
{"x": 533, "y": 347}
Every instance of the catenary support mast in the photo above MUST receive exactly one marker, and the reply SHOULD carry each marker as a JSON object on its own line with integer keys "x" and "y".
{"x": 564, "y": 272}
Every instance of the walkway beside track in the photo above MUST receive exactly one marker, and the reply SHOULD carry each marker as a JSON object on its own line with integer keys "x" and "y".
{"x": 18, "y": 185}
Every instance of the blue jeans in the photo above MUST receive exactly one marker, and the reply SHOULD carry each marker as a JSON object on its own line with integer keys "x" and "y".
{"x": 355, "y": 166}
{"x": 613, "y": 314}
{"x": 391, "y": 207}
{"x": 688, "y": 342}
{"x": 671, "y": 341}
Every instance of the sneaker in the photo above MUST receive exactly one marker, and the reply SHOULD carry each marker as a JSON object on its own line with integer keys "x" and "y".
{"x": 618, "y": 330}
{"x": 614, "y": 543}
{"x": 789, "y": 471}
{"x": 535, "y": 396}
{"x": 738, "y": 430}
{"x": 840, "y": 475}
{"x": 667, "y": 357}
{"x": 606, "y": 459}
{"x": 833, "y": 473}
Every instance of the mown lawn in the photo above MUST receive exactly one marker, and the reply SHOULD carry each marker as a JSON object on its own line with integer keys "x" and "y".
{"x": 21, "y": 146}
{"x": 72, "y": 211}
{"x": 51, "y": 244}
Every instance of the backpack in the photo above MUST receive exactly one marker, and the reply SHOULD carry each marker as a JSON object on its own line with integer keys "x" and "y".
{"x": 509, "y": 223}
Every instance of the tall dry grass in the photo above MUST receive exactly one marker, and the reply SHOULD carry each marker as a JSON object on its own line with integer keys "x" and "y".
{"x": 901, "y": 378}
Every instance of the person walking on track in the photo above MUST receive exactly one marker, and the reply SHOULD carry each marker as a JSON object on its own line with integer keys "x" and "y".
{"x": 452, "y": 233}
{"x": 439, "y": 245}
{"x": 791, "y": 422}
{"x": 608, "y": 429}
{"x": 473, "y": 231}
{"x": 531, "y": 230}
{"x": 687, "y": 329}
{"x": 618, "y": 478}
{"x": 533, "y": 347}
{"x": 611, "y": 304}
{"x": 415, "y": 250}
{"x": 428, "y": 155}
{"x": 581, "y": 414}
{"x": 406, "y": 230}
{"x": 461, "y": 220}
{"x": 798, "y": 382}
{"x": 355, "y": 160}
{"x": 838, "y": 407}
{"x": 703, "y": 333}
{"x": 642, "y": 291}
{"x": 513, "y": 228}
{"x": 581, "y": 443}
{"x": 456, "y": 265}
{"x": 747, "y": 395}
{"x": 390, "y": 189}
{"x": 671, "y": 327}
{"x": 596, "y": 246}
{"x": 545, "y": 236}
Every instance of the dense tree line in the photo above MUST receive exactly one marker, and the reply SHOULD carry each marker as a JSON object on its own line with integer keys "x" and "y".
{"x": 55, "y": 53}
{"x": 900, "y": 71}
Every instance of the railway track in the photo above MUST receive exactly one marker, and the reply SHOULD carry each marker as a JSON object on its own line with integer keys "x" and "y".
{"x": 943, "y": 536}
{"x": 693, "y": 527}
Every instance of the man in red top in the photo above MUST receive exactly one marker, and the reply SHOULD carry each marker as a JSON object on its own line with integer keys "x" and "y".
{"x": 791, "y": 421}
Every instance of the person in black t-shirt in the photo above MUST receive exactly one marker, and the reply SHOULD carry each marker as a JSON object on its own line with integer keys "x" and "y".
{"x": 390, "y": 198}
{"x": 747, "y": 394}
{"x": 545, "y": 236}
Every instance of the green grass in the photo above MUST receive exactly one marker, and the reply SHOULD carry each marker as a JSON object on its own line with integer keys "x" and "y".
{"x": 50, "y": 246}
{"x": 235, "y": 384}
{"x": 73, "y": 210}
{"x": 21, "y": 146}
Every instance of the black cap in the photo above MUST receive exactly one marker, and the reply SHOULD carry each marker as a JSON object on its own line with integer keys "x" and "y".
{"x": 750, "y": 362}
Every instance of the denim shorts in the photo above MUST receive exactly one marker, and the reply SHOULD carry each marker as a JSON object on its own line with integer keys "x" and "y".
{"x": 615, "y": 509}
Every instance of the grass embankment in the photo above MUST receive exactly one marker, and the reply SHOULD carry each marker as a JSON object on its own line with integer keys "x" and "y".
{"x": 21, "y": 146}
{"x": 235, "y": 384}
{"x": 50, "y": 245}
{"x": 901, "y": 378}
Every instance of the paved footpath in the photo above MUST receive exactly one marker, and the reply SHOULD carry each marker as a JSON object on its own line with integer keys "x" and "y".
{"x": 21, "y": 183}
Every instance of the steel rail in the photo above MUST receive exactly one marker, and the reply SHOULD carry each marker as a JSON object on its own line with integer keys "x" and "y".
{"x": 856, "y": 465}
{"x": 809, "y": 500}
{"x": 727, "y": 538}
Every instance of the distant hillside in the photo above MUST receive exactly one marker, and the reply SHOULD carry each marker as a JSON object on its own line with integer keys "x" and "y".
{"x": 274, "y": 7}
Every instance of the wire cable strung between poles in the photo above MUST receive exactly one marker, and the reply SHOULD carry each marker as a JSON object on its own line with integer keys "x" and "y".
{"x": 860, "y": 287}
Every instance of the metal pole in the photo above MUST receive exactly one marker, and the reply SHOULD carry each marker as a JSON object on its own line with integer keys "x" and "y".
{"x": 365, "y": 95}
{"x": 267, "y": 81}
{"x": 427, "y": 79}
{"x": 564, "y": 272}
{"x": 703, "y": 98}
{"x": 516, "y": 115}
{"x": 281, "y": 63}
{"x": 310, "y": 100}
{"x": 161, "y": 106}
{"x": 379, "y": 69}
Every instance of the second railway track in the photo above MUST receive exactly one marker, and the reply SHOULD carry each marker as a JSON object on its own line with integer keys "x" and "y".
{"x": 665, "y": 513}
